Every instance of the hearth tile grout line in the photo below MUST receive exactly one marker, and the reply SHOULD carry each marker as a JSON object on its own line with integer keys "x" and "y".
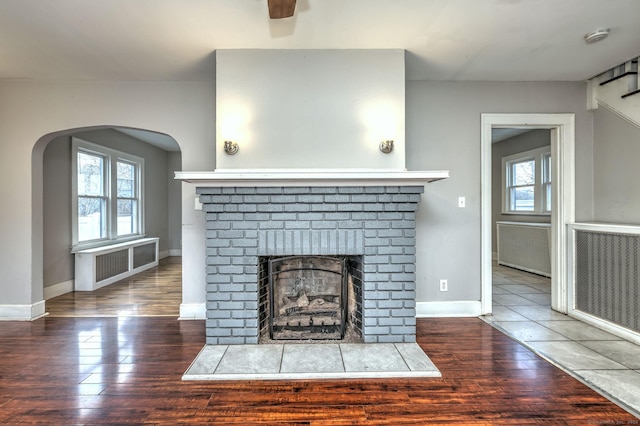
{"x": 220, "y": 360}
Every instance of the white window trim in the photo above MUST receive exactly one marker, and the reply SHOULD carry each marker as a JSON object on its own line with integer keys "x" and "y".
{"x": 112, "y": 157}
{"x": 539, "y": 204}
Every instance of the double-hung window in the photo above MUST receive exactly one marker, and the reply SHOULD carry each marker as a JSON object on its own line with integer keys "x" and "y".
{"x": 107, "y": 195}
{"x": 527, "y": 182}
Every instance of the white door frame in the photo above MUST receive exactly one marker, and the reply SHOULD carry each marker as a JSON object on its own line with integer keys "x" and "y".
{"x": 563, "y": 196}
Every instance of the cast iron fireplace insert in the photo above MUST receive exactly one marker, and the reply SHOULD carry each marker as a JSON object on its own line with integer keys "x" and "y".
{"x": 308, "y": 297}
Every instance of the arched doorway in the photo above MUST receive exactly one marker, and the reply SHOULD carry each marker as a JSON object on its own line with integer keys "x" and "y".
{"x": 53, "y": 262}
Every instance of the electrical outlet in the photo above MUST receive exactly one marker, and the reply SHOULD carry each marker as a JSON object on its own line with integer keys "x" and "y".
{"x": 444, "y": 286}
{"x": 462, "y": 202}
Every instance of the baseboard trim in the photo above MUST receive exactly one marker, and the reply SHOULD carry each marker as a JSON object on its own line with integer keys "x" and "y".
{"x": 22, "y": 312}
{"x": 175, "y": 252}
{"x": 57, "y": 289}
{"x": 193, "y": 311}
{"x": 448, "y": 309}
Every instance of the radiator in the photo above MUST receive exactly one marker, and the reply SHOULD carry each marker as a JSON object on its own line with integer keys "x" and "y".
{"x": 607, "y": 276}
{"x": 525, "y": 246}
{"x": 101, "y": 266}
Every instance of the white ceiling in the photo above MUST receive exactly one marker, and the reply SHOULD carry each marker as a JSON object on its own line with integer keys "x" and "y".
{"x": 472, "y": 40}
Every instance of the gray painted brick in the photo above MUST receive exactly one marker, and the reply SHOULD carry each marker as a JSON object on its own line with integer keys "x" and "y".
{"x": 251, "y": 323}
{"x": 283, "y": 199}
{"x": 296, "y": 190}
{"x": 269, "y": 190}
{"x": 323, "y": 207}
{"x": 231, "y": 208}
{"x": 215, "y": 296}
{"x": 215, "y": 278}
{"x": 403, "y": 224}
{"x": 228, "y": 190}
{"x": 218, "y": 225}
{"x": 231, "y": 323}
{"x": 256, "y": 199}
{"x": 212, "y": 208}
{"x": 407, "y": 258}
{"x": 388, "y": 233}
{"x": 410, "y": 321}
{"x": 245, "y": 225}
{"x": 391, "y": 321}
{"x": 391, "y": 189}
{"x": 231, "y": 305}
{"x": 231, "y": 269}
{"x": 350, "y": 207}
{"x": 390, "y": 304}
{"x": 350, "y": 189}
{"x": 378, "y": 295}
{"x": 251, "y": 305}
{"x": 245, "y": 190}
{"x": 373, "y": 189}
{"x": 395, "y": 287}
{"x": 324, "y": 224}
{"x": 243, "y": 314}
{"x": 247, "y": 208}
{"x": 404, "y": 312}
{"x": 244, "y": 243}
{"x": 390, "y": 338}
{"x": 324, "y": 190}
{"x": 301, "y": 224}
{"x": 390, "y": 216}
{"x": 411, "y": 304}
{"x": 213, "y": 242}
{"x": 231, "y": 217}
{"x": 298, "y": 207}
{"x": 274, "y": 224}
{"x": 377, "y": 224}
{"x": 284, "y": 216}
{"x": 310, "y": 198}
{"x": 412, "y": 189}
{"x": 208, "y": 190}
{"x": 245, "y": 332}
{"x": 377, "y": 330}
{"x": 390, "y": 268}
{"x": 404, "y": 241}
{"x": 238, "y": 340}
{"x": 218, "y": 313}
{"x": 336, "y": 198}
{"x": 403, "y": 276}
{"x": 270, "y": 208}
{"x": 401, "y": 330}
{"x": 218, "y": 260}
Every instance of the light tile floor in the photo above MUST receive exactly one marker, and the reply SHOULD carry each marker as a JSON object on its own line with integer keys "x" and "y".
{"x": 292, "y": 361}
{"x": 604, "y": 362}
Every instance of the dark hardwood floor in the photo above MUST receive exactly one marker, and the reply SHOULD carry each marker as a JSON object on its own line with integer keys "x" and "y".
{"x": 127, "y": 370}
{"x": 111, "y": 357}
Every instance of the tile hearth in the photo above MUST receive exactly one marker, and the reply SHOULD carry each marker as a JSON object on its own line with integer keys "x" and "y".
{"x": 291, "y": 361}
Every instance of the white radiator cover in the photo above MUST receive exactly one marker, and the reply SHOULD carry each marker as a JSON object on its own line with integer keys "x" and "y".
{"x": 525, "y": 246}
{"x": 101, "y": 266}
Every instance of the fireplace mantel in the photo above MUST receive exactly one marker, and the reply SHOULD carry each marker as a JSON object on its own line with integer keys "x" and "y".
{"x": 309, "y": 177}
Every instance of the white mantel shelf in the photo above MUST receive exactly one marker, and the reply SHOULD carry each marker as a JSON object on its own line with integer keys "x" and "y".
{"x": 309, "y": 177}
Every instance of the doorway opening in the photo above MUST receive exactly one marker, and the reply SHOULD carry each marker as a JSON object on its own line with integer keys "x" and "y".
{"x": 562, "y": 142}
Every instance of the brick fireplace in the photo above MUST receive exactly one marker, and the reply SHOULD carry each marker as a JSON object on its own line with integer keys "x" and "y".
{"x": 368, "y": 216}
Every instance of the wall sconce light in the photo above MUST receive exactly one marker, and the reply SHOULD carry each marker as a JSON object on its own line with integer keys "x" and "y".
{"x": 386, "y": 146}
{"x": 231, "y": 147}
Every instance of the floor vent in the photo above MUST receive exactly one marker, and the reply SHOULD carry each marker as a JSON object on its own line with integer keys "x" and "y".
{"x": 525, "y": 246}
{"x": 607, "y": 277}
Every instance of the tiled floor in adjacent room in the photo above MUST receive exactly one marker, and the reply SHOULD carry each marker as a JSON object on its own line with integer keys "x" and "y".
{"x": 606, "y": 363}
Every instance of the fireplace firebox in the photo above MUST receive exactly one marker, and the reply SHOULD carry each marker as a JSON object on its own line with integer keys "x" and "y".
{"x": 310, "y": 297}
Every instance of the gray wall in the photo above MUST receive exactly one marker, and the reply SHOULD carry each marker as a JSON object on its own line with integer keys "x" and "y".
{"x": 57, "y": 259}
{"x": 521, "y": 143}
{"x": 443, "y": 132}
{"x": 174, "y": 200}
{"x": 616, "y": 170}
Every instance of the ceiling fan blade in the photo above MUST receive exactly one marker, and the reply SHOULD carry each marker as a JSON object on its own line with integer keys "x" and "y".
{"x": 281, "y": 8}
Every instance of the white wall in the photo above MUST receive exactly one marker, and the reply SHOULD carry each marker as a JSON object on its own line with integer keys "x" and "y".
{"x": 30, "y": 110}
{"x": 310, "y": 108}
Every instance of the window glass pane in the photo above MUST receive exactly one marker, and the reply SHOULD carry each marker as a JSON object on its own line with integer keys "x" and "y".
{"x": 127, "y": 217}
{"x": 547, "y": 189}
{"x": 523, "y": 173}
{"x": 546, "y": 160}
{"x": 90, "y": 218}
{"x": 126, "y": 180}
{"x": 522, "y": 198}
{"x": 90, "y": 174}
